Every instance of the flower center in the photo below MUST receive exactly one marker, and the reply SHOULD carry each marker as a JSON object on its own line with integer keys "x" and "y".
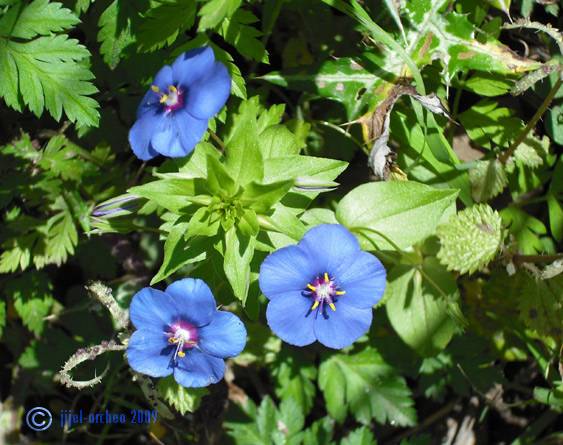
{"x": 172, "y": 100}
{"x": 184, "y": 336}
{"x": 323, "y": 290}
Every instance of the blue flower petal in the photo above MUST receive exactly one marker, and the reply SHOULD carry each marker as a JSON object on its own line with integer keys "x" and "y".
{"x": 165, "y": 138}
{"x": 149, "y": 103}
{"x": 148, "y": 353}
{"x": 363, "y": 280}
{"x": 208, "y": 95}
{"x": 152, "y": 310}
{"x": 329, "y": 245}
{"x": 194, "y": 300}
{"x": 286, "y": 269}
{"x": 193, "y": 65}
{"x": 164, "y": 78}
{"x": 291, "y": 319}
{"x": 224, "y": 337}
{"x": 198, "y": 369}
{"x": 340, "y": 328}
{"x": 141, "y": 133}
{"x": 190, "y": 129}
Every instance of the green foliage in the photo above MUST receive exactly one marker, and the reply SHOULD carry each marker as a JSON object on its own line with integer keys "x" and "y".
{"x": 182, "y": 399}
{"x": 50, "y": 71}
{"x": 470, "y": 239}
{"x": 366, "y": 386}
{"x": 417, "y": 304}
{"x": 402, "y": 213}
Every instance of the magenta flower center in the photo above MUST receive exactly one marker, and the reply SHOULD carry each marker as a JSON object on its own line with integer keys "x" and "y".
{"x": 323, "y": 290}
{"x": 172, "y": 100}
{"x": 184, "y": 336}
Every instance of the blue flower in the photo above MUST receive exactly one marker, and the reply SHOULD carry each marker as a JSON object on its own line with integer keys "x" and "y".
{"x": 180, "y": 332}
{"x": 322, "y": 289}
{"x": 174, "y": 113}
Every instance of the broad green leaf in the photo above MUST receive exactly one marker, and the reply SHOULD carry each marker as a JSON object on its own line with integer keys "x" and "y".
{"x": 488, "y": 84}
{"x": 263, "y": 197}
{"x": 178, "y": 252}
{"x": 172, "y": 194}
{"x": 280, "y": 168}
{"x": 52, "y": 74}
{"x": 417, "y": 304}
{"x": 219, "y": 180}
{"x": 184, "y": 400}
{"x": 470, "y": 239}
{"x": 277, "y": 141}
{"x": 215, "y": 11}
{"x": 237, "y": 31}
{"x": 40, "y": 17}
{"x": 365, "y": 385}
{"x": 405, "y": 212}
{"x": 238, "y": 253}
{"x": 163, "y": 22}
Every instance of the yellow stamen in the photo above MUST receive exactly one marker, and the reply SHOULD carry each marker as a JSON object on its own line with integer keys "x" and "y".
{"x": 327, "y": 280}
{"x": 181, "y": 354}
{"x": 172, "y": 340}
{"x": 164, "y": 98}
{"x": 332, "y": 306}
{"x": 315, "y": 305}
{"x": 313, "y": 288}
{"x": 340, "y": 292}
{"x": 155, "y": 88}
{"x": 172, "y": 89}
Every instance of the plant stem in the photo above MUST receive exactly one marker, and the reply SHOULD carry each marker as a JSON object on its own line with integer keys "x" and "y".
{"x": 532, "y": 123}
{"x": 519, "y": 259}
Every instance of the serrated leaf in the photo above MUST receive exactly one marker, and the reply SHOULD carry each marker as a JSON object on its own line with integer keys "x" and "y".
{"x": 237, "y": 31}
{"x": 404, "y": 211}
{"x": 40, "y": 17}
{"x": 62, "y": 236}
{"x": 470, "y": 239}
{"x": 184, "y": 400}
{"x": 215, "y": 11}
{"x": 541, "y": 305}
{"x": 366, "y": 386}
{"x": 532, "y": 151}
{"x": 32, "y": 297}
{"x": 115, "y": 33}
{"x": 360, "y": 436}
{"x": 488, "y": 179}
{"x": 527, "y": 229}
{"x": 163, "y": 22}
{"x": 51, "y": 74}
{"x": 417, "y": 304}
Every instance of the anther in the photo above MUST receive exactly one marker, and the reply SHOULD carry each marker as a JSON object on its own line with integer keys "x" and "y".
{"x": 327, "y": 280}
{"x": 332, "y": 306}
{"x": 155, "y": 88}
{"x": 181, "y": 354}
{"x": 313, "y": 288}
{"x": 315, "y": 305}
{"x": 340, "y": 292}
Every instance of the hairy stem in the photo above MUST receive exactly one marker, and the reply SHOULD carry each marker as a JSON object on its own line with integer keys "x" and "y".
{"x": 103, "y": 294}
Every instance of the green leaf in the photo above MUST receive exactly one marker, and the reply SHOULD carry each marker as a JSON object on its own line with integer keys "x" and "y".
{"x": 366, "y": 386}
{"x": 238, "y": 253}
{"x": 360, "y": 436}
{"x": 555, "y": 201}
{"x": 245, "y": 38}
{"x": 488, "y": 84}
{"x": 263, "y": 197}
{"x": 320, "y": 432}
{"x": 219, "y": 181}
{"x": 470, "y": 239}
{"x": 171, "y": 194}
{"x": 184, "y": 400}
{"x": 406, "y": 212}
{"x": 2, "y": 317}
{"x": 163, "y": 22}
{"x": 294, "y": 375}
{"x": 62, "y": 236}
{"x": 539, "y": 302}
{"x": 40, "y": 17}
{"x": 417, "y": 304}
{"x": 215, "y": 11}
{"x": 52, "y": 74}
{"x": 527, "y": 230}
{"x": 115, "y": 33}
{"x": 33, "y": 299}
{"x": 532, "y": 151}
{"x": 488, "y": 179}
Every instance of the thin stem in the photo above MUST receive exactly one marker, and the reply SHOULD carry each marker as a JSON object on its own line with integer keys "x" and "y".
{"x": 532, "y": 123}
{"x": 218, "y": 141}
{"x": 344, "y": 133}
